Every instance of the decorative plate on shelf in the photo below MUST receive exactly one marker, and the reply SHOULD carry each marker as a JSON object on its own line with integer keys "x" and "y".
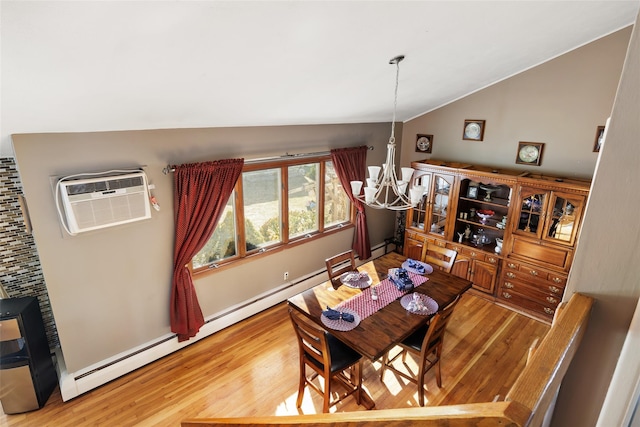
{"x": 341, "y": 325}
{"x": 419, "y": 304}
{"x": 355, "y": 279}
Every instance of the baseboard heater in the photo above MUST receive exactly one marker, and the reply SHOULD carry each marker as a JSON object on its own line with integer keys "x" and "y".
{"x": 73, "y": 384}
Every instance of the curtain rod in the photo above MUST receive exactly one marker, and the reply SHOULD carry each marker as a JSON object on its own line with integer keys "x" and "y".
{"x": 172, "y": 168}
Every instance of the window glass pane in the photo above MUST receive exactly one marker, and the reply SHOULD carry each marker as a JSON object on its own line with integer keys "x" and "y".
{"x": 336, "y": 202}
{"x": 262, "y": 207}
{"x": 222, "y": 243}
{"x": 303, "y": 199}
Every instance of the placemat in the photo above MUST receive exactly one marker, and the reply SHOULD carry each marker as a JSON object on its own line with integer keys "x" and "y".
{"x": 387, "y": 293}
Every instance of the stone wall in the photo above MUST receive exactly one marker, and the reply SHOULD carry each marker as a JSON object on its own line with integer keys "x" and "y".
{"x": 20, "y": 271}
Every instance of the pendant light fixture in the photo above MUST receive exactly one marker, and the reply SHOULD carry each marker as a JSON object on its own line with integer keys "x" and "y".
{"x": 384, "y": 190}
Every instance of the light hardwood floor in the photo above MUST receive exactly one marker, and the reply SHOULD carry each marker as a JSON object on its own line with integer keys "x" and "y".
{"x": 251, "y": 369}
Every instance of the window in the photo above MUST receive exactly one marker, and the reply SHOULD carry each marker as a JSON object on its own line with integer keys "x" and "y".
{"x": 274, "y": 205}
{"x": 303, "y": 199}
{"x": 222, "y": 244}
{"x": 337, "y": 207}
{"x": 262, "y": 208}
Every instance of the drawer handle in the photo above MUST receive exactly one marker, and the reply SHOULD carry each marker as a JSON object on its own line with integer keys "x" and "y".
{"x": 557, "y": 280}
{"x": 508, "y": 285}
{"x": 457, "y": 248}
{"x": 507, "y": 295}
{"x": 549, "y": 310}
{"x": 533, "y": 272}
{"x": 554, "y": 289}
{"x": 473, "y": 254}
{"x": 510, "y": 275}
{"x": 511, "y": 265}
{"x": 493, "y": 260}
{"x": 552, "y": 300}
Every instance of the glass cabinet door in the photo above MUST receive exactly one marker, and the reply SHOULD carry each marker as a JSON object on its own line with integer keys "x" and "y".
{"x": 419, "y": 212}
{"x": 564, "y": 214}
{"x": 530, "y": 220}
{"x": 442, "y": 185}
{"x": 430, "y": 215}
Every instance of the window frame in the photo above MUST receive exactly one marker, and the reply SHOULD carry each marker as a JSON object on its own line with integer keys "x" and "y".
{"x": 238, "y": 208}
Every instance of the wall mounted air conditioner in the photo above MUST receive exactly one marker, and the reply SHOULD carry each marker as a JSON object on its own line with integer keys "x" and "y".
{"x": 94, "y": 203}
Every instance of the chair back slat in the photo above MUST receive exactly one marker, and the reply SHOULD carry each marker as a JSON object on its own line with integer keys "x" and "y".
{"x": 340, "y": 264}
{"x": 312, "y": 340}
{"x": 440, "y": 257}
{"x": 437, "y": 328}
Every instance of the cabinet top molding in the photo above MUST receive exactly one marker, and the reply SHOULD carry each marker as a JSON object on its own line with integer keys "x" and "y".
{"x": 504, "y": 175}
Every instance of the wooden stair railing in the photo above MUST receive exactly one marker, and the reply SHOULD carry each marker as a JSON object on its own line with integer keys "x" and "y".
{"x": 526, "y": 404}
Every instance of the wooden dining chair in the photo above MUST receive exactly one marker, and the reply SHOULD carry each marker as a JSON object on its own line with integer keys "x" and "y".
{"x": 327, "y": 357}
{"x": 340, "y": 264}
{"x": 440, "y": 257}
{"x": 427, "y": 344}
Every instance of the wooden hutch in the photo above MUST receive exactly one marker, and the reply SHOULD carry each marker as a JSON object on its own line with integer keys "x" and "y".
{"x": 515, "y": 232}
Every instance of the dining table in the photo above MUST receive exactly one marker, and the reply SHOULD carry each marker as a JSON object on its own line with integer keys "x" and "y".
{"x": 384, "y": 322}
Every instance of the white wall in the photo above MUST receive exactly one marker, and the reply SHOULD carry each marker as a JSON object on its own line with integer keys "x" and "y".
{"x": 109, "y": 289}
{"x": 560, "y": 103}
{"x": 607, "y": 262}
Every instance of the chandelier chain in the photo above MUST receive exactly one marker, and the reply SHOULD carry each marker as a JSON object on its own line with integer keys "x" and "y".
{"x": 396, "y": 61}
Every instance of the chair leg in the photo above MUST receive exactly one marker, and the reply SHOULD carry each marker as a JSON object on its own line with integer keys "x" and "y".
{"x": 327, "y": 393}
{"x": 358, "y": 369}
{"x": 385, "y": 360}
{"x": 301, "y": 384}
{"x": 438, "y": 374}
{"x": 437, "y": 367}
{"x": 420, "y": 381}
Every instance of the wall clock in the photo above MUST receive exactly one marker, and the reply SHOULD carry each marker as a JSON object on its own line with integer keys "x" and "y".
{"x": 424, "y": 143}
{"x": 529, "y": 153}
{"x": 473, "y": 130}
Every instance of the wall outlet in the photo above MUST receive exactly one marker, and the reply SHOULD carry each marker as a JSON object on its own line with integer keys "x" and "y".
{"x": 286, "y": 275}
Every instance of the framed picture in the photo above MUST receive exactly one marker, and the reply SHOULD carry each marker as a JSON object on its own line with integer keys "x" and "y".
{"x": 424, "y": 143}
{"x": 599, "y": 138}
{"x": 529, "y": 153}
{"x": 472, "y": 192}
{"x": 473, "y": 130}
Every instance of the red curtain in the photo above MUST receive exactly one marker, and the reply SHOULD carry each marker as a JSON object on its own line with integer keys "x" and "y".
{"x": 351, "y": 165}
{"x": 201, "y": 191}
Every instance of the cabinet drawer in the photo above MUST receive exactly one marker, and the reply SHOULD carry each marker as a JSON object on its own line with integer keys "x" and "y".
{"x": 511, "y": 265}
{"x": 540, "y": 279}
{"x": 492, "y": 259}
{"x": 472, "y": 253}
{"x": 556, "y": 279}
{"x": 536, "y": 293}
{"x": 513, "y": 298}
{"x": 414, "y": 235}
{"x": 440, "y": 243}
{"x": 533, "y": 272}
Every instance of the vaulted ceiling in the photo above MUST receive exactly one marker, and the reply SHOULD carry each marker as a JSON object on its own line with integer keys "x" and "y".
{"x": 102, "y": 65}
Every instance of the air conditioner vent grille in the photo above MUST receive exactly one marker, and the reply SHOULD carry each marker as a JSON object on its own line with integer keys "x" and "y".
{"x": 95, "y": 203}
{"x": 99, "y": 186}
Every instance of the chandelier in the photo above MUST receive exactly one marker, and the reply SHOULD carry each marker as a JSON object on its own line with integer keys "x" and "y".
{"x": 384, "y": 190}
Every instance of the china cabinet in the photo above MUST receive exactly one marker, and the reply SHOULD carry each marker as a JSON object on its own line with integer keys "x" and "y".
{"x": 431, "y": 214}
{"x": 514, "y": 231}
